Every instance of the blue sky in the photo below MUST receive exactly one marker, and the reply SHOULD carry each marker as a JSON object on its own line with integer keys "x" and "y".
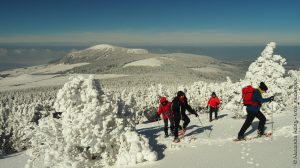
{"x": 189, "y": 22}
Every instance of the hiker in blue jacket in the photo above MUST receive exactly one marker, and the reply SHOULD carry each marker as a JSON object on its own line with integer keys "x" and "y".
{"x": 253, "y": 111}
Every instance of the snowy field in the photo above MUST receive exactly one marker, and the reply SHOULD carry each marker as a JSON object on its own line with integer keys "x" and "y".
{"x": 42, "y": 69}
{"x": 216, "y": 151}
{"x": 26, "y": 81}
{"x": 43, "y": 76}
{"x": 219, "y": 150}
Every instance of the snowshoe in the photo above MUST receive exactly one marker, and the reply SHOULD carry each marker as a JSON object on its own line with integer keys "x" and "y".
{"x": 260, "y": 135}
{"x": 182, "y": 132}
{"x": 240, "y": 138}
{"x": 176, "y": 140}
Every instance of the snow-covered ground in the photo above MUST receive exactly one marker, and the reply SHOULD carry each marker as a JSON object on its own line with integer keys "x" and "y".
{"x": 25, "y": 81}
{"x": 17, "y": 160}
{"x": 197, "y": 150}
{"x": 43, "y": 75}
{"x": 219, "y": 150}
{"x": 43, "y": 69}
{"x": 145, "y": 62}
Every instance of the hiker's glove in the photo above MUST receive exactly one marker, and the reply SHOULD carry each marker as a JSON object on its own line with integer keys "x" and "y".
{"x": 206, "y": 107}
{"x": 272, "y": 98}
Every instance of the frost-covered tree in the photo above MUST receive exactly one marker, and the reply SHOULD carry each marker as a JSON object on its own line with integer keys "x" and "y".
{"x": 18, "y": 108}
{"x": 268, "y": 68}
{"x": 91, "y": 133}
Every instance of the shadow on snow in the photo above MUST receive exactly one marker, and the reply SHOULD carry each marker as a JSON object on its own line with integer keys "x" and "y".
{"x": 153, "y": 133}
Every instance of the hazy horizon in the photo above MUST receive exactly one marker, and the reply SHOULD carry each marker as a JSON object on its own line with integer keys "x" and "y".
{"x": 23, "y": 56}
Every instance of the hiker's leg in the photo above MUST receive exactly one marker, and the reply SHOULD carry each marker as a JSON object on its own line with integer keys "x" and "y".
{"x": 216, "y": 113}
{"x": 247, "y": 123}
{"x": 262, "y": 122}
{"x": 166, "y": 126}
{"x": 210, "y": 113}
{"x": 176, "y": 124}
{"x": 172, "y": 124}
{"x": 186, "y": 120}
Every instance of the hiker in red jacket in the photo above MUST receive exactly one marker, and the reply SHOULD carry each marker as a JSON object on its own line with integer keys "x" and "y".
{"x": 214, "y": 104}
{"x": 165, "y": 109}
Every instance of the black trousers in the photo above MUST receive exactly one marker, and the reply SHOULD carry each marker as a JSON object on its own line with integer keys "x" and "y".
{"x": 211, "y": 110}
{"x": 177, "y": 119}
{"x": 167, "y": 125}
{"x": 250, "y": 117}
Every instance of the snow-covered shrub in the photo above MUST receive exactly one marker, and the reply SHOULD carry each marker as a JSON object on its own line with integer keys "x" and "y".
{"x": 147, "y": 99}
{"x": 16, "y": 123}
{"x": 200, "y": 92}
{"x": 93, "y": 131}
{"x": 5, "y": 145}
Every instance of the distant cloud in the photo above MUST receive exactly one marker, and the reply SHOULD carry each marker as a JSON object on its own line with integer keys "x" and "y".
{"x": 167, "y": 38}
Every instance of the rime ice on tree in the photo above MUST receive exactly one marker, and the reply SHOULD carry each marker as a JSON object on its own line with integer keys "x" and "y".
{"x": 91, "y": 132}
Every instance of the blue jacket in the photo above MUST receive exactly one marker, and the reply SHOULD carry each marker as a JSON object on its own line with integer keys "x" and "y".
{"x": 257, "y": 98}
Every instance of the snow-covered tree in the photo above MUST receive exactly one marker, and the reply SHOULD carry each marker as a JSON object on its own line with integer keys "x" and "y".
{"x": 268, "y": 68}
{"x": 91, "y": 132}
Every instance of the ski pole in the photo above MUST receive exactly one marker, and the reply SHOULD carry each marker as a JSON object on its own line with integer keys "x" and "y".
{"x": 272, "y": 121}
{"x": 203, "y": 126}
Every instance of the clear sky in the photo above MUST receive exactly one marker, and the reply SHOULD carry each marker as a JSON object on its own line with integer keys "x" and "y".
{"x": 167, "y": 22}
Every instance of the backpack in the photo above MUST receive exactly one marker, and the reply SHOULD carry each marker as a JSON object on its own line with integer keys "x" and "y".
{"x": 247, "y": 93}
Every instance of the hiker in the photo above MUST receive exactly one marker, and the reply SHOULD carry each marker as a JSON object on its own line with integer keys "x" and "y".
{"x": 253, "y": 100}
{"x": 165, "y": 109}
{"x": 214, "y": 104}
{"x": 179, "y": 105}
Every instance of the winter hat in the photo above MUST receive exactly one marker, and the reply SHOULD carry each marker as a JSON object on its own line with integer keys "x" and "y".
{"x": 163, "y": 99}
{"x": 263, "y": 86}
{"x": 180, "y": 93}
{"x": 213, "y": 94}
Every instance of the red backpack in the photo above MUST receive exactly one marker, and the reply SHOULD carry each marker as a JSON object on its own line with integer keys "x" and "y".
{"x": 247, "y": 93}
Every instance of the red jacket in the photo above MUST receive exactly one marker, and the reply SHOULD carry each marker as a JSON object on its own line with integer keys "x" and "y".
{"x": 213, "y": 102}
{"x": 165, "y": 110}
